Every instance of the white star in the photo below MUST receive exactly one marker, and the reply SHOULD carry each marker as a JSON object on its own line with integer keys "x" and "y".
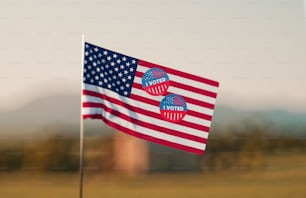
{"x": 93, "y": 72}
{"x": 118, "y": 82}
{"x": 121, "y": 66}
{"x": 118, "y": 61}
{"x": 105, "y": 80}
{"x": 123, "y": 80}
{"x": 127, "y": 85}
{"x": 128, "y": 64}
{"x": 94, "y": 64}
{"x": 112, "y": 64}
{"x": 109, "y": 86}
{"x": 129, "y": 77}
{"x": 100, "y": 83}
{"x": 115, "y": 55}
{"x": 100, "y": 55}
{"x": 85, "y": 62}
{"x": 86, "y": 45}
{"x": 131, "y": 69}
{"x": 109, "y": 58}
{"x": 114, "y": 77}
{"x": 102, "y": 75}
{"x": 133, "y": 61}
{"x": 113, "y": 84}
{"x": 106, "y": 66}
{"x": 124, "y": 58}
{"x": 91, "y": 80}
{"x": 96, "y": 49}
{"x": 86, "y": 53}
{"x": 90, "y": 58}
{"x": 117, "y": 90}
{"x": 116, "y": 69}
{"x": 97, "y": 77}
{"x": 103, "y": 60}
{"x": 120, "y": 74}
{"x": 125, "y": 72}
{"x": 105, "y": 52}
{"x": 88, "y": 75}
{"x": 125, "y": 93}
{"x": 121, "y": 87}
{"x": 110, "y": 71}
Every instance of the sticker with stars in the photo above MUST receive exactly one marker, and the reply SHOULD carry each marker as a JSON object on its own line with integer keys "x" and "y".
{"x": 173, "y": 108}
{"x": 155, "y": 82}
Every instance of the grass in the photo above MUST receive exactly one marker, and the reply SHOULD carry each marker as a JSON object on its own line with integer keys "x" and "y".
{"x": 284, "y": 176}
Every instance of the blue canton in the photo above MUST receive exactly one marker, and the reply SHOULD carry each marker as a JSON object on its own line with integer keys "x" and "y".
{"x": 108, "y": 69}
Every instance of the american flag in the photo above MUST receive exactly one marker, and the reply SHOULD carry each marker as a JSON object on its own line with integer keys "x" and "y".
{"x": 113, "y": 92}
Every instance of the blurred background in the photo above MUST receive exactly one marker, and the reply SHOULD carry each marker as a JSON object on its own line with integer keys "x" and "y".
{"x": 255, "y": 49}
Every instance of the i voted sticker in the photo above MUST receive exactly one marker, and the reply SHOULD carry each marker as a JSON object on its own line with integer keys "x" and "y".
{"x": 173, "y": 108}
{"x": 155, "y": 82}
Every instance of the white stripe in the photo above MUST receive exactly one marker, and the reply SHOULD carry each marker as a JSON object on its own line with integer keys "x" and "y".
{"x": 190, "y": 106}
{"x": 184, "y": 92}
{"x": 146, "y": 131}
{"x": 138, "y": 116}
{"x": 137, "y": 103}
{"x": 156, "y": 91}
{"x": 183, "y": 80}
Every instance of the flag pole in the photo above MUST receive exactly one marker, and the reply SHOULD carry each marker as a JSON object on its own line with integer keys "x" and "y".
{"x": 81, "y": 124}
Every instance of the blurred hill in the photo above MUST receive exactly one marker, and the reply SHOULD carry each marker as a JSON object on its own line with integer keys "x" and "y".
{"x": 43, "y": 111}
{"x": 280, "y": 121}
{"x": 65, "y": 110}
{"x": 55, "y": 113}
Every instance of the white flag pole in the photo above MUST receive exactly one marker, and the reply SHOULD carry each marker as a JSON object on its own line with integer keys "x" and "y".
{"x": 81, "y": 123}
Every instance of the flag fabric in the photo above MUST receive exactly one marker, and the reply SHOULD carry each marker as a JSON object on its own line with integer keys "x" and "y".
{"x": 146, "y": 100}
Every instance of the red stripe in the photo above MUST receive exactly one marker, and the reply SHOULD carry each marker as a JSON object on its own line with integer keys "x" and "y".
{"x": 193, "y": 89}
{"x": 179, "y": 73}
{"x": 145, "y": 137}
{"x": 139, "y": 74}
{"x": 188, "y": 99}
{"x": 198, "y": 102}
{"x": 156, "y": 103}
{"x": 143, "y": 111}
{"x": 145, "y": 124}
{"x": 187, "y": 87}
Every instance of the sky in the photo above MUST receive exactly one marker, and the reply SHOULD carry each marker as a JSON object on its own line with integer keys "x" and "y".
{"x": 254, "y": 48}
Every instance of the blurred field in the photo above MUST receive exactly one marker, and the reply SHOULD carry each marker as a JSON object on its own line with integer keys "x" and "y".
{"x": 283, "y": 176}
